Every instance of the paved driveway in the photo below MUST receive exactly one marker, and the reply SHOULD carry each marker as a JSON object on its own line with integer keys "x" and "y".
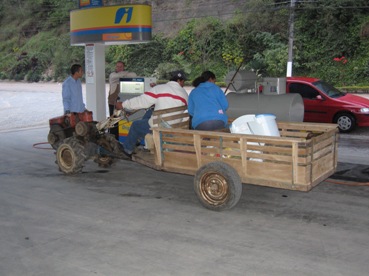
{"x": 131, "y": 220}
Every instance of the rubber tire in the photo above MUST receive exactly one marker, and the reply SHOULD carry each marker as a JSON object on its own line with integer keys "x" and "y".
{"x": 70, "y": 156}
{"x": 228, "y": 184}
{"x": 105, "y": 161}
{"x": 56, "y": 136}
{"x": 346, "y": 122}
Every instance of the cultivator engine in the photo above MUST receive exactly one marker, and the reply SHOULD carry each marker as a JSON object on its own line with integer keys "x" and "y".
{"x": 77, "y": 138}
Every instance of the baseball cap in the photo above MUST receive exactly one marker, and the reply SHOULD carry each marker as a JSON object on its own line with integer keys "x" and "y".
{"x": 179, "y": 74}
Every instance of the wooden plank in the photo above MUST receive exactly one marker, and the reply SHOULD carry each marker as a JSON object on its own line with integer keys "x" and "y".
{"x": 178, "y": 148}
{"x": 244, "y": 148}
{"x": 322, "y": 166}
{"x": 178, "y": 139}
{"x": 170, "y": 110}
{"x": 183, "y": 124}
{"x": 268, "y": 172}
{"x": 179, "y": 160}
{"x": 198, "y": 149}
{"x": 296, "y": 162}
{"x": 322, "y": 144}
{"x": 146, "y": 159}
{"x": 158, "y": 149}
{"x": 311, "y": 127}
{"x": 176, "y": 117}
{"x": 322, "y": 152}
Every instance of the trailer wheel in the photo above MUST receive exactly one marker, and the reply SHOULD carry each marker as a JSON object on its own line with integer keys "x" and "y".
{"x": 56, "y": 136}
{"x": 218, "y": 186}
{"x": 70, "y": 156}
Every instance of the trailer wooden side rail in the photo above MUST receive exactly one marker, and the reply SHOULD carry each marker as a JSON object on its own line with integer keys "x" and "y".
{"x": 304, "y": 156}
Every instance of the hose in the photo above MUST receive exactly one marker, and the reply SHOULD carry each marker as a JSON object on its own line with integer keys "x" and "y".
{"x": 37, "y": 146}
{"x": 348, "y": 183}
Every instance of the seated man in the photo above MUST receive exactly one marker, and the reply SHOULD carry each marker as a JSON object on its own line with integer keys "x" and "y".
{"x": 171, "y": 94}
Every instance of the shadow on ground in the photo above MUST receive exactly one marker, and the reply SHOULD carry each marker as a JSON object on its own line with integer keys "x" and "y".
{"x": 352, "y": 172}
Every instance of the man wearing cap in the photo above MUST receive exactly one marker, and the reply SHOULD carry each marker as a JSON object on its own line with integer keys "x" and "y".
{"x": 171, "y": 94}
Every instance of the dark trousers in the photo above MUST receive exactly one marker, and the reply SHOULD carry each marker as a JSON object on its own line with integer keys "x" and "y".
{"x": 211, "y": 125}
{"x": 137, "y": 132}
{"x": 114, "y": 130}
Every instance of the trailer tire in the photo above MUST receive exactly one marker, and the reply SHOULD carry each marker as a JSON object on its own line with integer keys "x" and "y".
{"x": 218, "y": 186}
{"x": 70, "y": 156}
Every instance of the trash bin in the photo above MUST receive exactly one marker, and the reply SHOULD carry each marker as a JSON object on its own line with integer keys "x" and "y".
{"x": 261, "y": 124}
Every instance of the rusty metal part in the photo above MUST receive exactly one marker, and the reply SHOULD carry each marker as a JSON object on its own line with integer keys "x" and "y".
{"x": 56, "y": 136}
{"x": 214, "y": 188}
{"x": 81, "y": 129}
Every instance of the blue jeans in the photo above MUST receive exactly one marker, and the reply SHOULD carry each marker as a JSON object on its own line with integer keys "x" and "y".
{"x": 137, "y": 132}
{"x": 211, "y": 125}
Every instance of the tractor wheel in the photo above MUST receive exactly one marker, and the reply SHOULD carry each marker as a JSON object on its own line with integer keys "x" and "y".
{"x": 104, "y": 161}
{"x": 56, "y": 136}
{"x": 70, "y": 156}
{"x": 218, "y": 186}
{"x": 81, "y": 129}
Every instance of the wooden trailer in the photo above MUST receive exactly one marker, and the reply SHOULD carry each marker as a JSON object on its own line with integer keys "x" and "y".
{"x": 304, "y": 156}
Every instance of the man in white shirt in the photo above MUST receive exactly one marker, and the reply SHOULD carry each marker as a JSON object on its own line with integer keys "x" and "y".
{"x": 171, "y": 94}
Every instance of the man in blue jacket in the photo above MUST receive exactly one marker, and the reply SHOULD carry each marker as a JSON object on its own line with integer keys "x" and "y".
{"x": 72, "y": 91}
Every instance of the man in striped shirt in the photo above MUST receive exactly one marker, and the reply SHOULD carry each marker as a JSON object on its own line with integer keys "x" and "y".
{"x": 171, "y": 94}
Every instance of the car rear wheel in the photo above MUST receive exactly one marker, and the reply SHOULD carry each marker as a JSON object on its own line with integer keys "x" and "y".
{"x": 346, "y": 122}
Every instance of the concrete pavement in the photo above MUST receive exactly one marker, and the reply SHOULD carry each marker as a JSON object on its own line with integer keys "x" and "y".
{"x": 132, "y": 220}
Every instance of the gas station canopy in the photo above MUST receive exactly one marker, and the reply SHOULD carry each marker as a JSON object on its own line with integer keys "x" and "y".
{"x": 111, "y": 25}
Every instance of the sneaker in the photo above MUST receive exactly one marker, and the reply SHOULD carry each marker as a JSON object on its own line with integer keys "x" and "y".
{"x": 128, "y": 155}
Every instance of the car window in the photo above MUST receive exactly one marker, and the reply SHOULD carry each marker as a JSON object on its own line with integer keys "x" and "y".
{"x": 304, "y": 90}
{"x": 328, "y": 89}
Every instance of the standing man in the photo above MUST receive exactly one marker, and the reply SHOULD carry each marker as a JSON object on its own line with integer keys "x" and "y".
{"x": 72, "y": 91}
{"x": 114, "y": 88}
{"x": 171, "y": 94}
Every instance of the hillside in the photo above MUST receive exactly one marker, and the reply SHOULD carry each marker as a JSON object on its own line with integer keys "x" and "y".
{"x": 198, "y": 35}
{"x": 169, "y": 16}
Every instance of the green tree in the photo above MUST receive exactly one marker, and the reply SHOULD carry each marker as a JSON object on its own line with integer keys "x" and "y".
{"x": 329, "y": 29}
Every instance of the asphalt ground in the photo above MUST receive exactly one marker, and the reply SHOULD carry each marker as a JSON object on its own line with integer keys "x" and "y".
{"x": 132, "y": 220}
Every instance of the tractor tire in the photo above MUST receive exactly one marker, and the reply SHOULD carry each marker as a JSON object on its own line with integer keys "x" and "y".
{"x": 218, "y": 186}
{"x": 56, "y": 136}
{"x": 104, "y": 161}
{"x": 115, "y": 146}
{"x": 70, "y": 156}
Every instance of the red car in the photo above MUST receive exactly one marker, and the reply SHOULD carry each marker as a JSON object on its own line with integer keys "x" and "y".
{"x": 326, "y": 104}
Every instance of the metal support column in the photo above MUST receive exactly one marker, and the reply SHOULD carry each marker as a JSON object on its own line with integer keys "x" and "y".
{"x": 290, "y": 38}
{"x": 95, "y": 80}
